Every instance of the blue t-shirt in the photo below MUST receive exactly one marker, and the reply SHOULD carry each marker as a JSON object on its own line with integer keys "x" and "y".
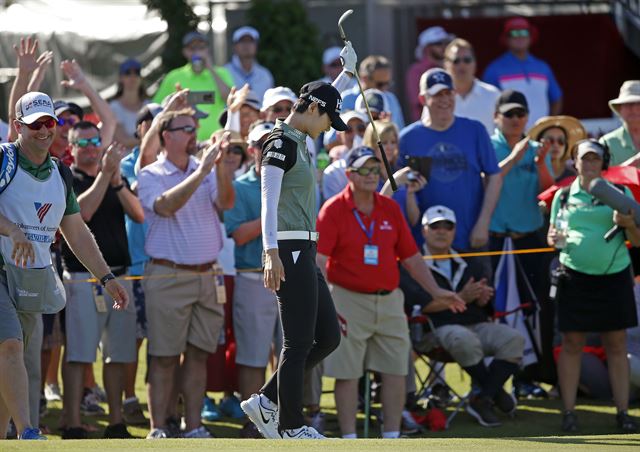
{"x": 459, "y": 156}
{"x": 135, "y": 231}
{"x": 517, "y": 209}
{"x": 531, "y": 76}
{"x": 246, "y": 208}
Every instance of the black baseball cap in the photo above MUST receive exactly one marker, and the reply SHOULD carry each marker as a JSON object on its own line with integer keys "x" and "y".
{"x": 328, "y": 98}
{"x": 60, "y": 106}
{"x": 359, "y": 156}
{"x": 510, "y": 99}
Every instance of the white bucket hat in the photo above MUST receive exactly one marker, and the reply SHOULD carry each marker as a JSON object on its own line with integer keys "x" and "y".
{"x": 629, "y": 93}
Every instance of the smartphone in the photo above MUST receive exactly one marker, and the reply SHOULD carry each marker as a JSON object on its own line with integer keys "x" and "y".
{"x": 200, "y": 97}
{"x": 422, "y": 165}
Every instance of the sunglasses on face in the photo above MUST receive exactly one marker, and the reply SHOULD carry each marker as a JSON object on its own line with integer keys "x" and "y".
{"x": 239, "y": 150}
{"x": 524, "y": 33}
{"x": 465, "y": 60}
{"x": 49, "y": 123}
{"x": 552, "y": 140}
{"x": 84, "y": 142}
{"x": 516, "y": 113}
{"x": 278, "y": 110}
{"x": 359, "y": 128}
{"x": 63, "y": 121}
{"x": 447, "y": 225}
{"x": 375, "y": 170}
{"x": 185, "y": 129}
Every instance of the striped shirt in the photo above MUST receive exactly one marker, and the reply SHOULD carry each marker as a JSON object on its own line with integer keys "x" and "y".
{"x": 192, "y": 235}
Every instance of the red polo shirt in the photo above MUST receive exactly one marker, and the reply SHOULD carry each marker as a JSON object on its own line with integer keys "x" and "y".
{"x": 342, "y": 240}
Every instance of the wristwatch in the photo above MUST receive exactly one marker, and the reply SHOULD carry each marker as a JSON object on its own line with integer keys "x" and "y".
{"x": 106, "y": 278}
{"x": 117, "y": 188}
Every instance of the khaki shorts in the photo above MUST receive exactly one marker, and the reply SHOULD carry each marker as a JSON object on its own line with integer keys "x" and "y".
{"x": 181, "y": 309}
{"x": 14, "y": 325}
{"x": 375, "y": 335}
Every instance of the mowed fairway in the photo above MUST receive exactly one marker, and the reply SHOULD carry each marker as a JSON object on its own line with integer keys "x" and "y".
{"x": 536, "y": 426}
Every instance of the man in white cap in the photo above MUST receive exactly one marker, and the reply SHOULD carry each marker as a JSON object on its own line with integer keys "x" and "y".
{"x": 29, "y": 177}
{"x": 429, "y": 53}
{"x": 332, "y": 66}
{"x": 243, "y": 65}
{"x": 624, "y": 142}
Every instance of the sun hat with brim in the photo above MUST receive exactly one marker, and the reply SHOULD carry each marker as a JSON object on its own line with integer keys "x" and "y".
{"x": 629, "y": 94}
{"x": 572, "y": 127}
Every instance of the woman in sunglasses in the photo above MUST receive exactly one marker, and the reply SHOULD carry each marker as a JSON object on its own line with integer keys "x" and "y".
{"x": 129, "y": 99}
{"x": 561, "y": 132}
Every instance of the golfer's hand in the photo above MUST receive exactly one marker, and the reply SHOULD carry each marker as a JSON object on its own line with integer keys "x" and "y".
{"x": 349, "y": 58}
{"x": 273, "y": 270}
{"x": 23, "y": 251}
{"x": 118, "y": 293}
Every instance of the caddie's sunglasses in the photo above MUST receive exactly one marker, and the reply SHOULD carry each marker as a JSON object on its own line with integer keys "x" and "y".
{"x": 85, "y": 142}
{"x": 63, "y": 121}
{"x": 524, "y": 33}
{"x": 185, "y": 129}
{"x": 49, "y": 123}
{"x": 465, "y": 60}
{"x": 516, "y": 112}
{"x": 443, "y": 224}
{"x": 375, "y": 170}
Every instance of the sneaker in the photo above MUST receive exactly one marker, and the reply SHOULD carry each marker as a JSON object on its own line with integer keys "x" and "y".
{"x": 230, "y": 407}
{"x": 210, "y": 411}
{"x": 89, "y": 405}
{"x": 132, "y": 412}
{"x": 117, "y": 431}
{"x": 52, "y": 392}
{"x": 99, "y": 393}
{"x": 74, "y": 433}
{"x": 200, "y": 432}
{"x": 43, "y": 406}
{"x": 481, "y": 408}
{"x": 173, "y": 427}
{"x": 264, "y": 414}
{"x": 158, "y": 433}
{"x": 250, "y": 431}
{"x": 409, "y": 425}
{"x": 626, "y": 423}
{"x": 529, "y": 391}
{"x": 505, "y": 402}
{"x": 569, "y": 421}
{"x": 317, "y": 421}
{"x": 32, "y": 433}
{"x": 304, "y": 432}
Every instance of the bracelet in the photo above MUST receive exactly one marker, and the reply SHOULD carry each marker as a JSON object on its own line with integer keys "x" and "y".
{"x": 117, "y": 188}
{"x": 106, "y": 278}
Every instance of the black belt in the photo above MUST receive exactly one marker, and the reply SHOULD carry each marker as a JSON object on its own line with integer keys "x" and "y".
{"x": 380, "y": 292}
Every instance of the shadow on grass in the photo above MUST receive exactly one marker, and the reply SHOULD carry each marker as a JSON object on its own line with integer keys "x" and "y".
{"x": 595, "y": 441}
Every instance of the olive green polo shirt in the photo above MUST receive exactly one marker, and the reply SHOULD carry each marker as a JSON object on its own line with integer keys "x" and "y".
{"x": 586, "y": 250}
{"x": 620, "y": 145}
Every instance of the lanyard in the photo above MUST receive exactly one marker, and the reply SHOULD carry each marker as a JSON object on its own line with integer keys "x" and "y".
{"x": 368, "y": 233}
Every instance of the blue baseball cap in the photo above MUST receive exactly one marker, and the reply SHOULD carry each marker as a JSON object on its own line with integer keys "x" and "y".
{"x": 359, "y": 156}
{"x": 435, "y": 80}
{"x": 194, "y": 36}
{"x": 130, "y": 64}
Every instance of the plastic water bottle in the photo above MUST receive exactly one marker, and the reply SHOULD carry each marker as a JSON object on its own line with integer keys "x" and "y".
{"x": 322, "y": 160}
{"x": 416, "y": 328}
{"x": 197, "y": 64}
{"x": 561, "y": 225}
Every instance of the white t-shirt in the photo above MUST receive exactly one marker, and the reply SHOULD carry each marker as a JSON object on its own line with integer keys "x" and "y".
{"x": 125, "y": 116}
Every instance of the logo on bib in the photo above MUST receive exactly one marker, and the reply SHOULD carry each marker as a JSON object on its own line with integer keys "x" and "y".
{"x": 42, "y": 209}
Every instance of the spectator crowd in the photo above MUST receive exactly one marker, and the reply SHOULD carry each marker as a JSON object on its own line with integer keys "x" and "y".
{"x": 169, "y": 187}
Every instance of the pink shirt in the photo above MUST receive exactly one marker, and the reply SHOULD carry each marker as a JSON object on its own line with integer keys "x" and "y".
{"x": 192, "y": 235}
{"x": 412, "y": 87}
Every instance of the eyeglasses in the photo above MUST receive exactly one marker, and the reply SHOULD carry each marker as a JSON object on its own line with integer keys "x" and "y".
{"x": 278, "y": 110}
{"x": 63, "y": 121}
{"x": 185, "y": 129}
{"x": 516, "y": 112}
{"x": 375, "y": 170}
{"x": 49, "y": 123}
{"x": 239, "y": 150}
{"x": 85, "y": 142}
{"x": 524, "y": 33}
{"x": 360, "y": 128}
{"x": 552, "y": 140}
{"x": 443, "y": 224}
{"x": 465, "y": 60}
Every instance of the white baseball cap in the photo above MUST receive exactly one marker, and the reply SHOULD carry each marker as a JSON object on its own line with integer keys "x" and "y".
{"x": 245, "y": 31}
{"x": 351, "y": 114}
{"x": 33, "y": 106}
{"x": 259, "y": 131}
{"x": 274, "y": 95}
{"x": 331, "y": 54}
{"x": 430, "y": 36}
{"x": 438, "y": 213}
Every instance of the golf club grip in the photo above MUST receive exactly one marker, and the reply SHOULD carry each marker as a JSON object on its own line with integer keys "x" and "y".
{"x": 387, "y": 166}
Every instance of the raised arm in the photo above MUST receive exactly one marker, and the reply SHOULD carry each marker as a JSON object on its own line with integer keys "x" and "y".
{"x": 27, "y": 64}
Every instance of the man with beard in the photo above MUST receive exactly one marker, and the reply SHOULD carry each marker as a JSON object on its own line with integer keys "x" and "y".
{"x": 181, "y": 197}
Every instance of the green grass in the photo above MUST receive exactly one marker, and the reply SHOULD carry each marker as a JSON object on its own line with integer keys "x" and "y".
{"x": 535, "y": 427}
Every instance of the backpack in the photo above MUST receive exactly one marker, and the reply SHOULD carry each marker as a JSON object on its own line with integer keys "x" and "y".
{"x": 9, "y": 167}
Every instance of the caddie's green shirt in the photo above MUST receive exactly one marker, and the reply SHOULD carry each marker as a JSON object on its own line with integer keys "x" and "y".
{"x": 620, "y": 145}
{"x": 286, "y": 148}
{"x": 586, "y": 250}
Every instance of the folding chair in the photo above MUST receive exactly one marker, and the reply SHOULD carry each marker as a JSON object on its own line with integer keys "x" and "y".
{"x": 430, "y": 352}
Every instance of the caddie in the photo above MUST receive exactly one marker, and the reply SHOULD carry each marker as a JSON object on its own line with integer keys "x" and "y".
{"x": 35, "y": 200}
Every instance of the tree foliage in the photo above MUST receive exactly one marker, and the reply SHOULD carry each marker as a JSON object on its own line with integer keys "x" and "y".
{"x": 289, "y": 44}
{"x": 180, "y": 20}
